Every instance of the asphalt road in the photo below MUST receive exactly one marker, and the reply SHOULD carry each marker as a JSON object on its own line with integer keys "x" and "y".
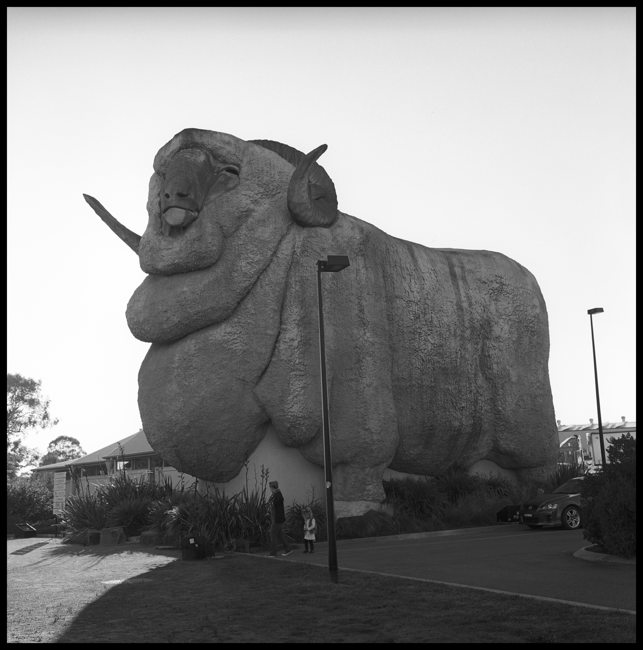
{"x": 508, "y": 558}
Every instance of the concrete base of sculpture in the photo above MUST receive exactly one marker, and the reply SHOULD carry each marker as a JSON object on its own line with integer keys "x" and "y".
{"x": 357, "y": 508}
{"x": 487, "y": 469}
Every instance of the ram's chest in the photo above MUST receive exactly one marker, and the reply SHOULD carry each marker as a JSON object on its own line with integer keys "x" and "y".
{"x": 224, "y": 357}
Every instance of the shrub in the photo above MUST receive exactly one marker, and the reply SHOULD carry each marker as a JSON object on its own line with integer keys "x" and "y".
{"x": 622, "y": 454}
{"x": 27, "y": 501}
{"x": 157, "y": 512}
{"x": 561, "y": 475}
{"x": 451, "y": 500}
{"x": 251, "y": 512}
{"x": 456, "y": 483}
{"x": 224, "y": 510}
{"x": 499, "y": 486}
{"x": 416, "y": 498}
{"x": 609, "y": 501}
{"x": 479, "y": 508}
{"x": 122, "y": 502}
{"x": 159, "y": 516}
{"x": 85, "y": 510}
{"x": 252, "y": 518}
{"x": 123, "y": 488}
{"x": 217, "y": 520}
{"x": 132, "y": 513}
{"x": 196, "y": 515}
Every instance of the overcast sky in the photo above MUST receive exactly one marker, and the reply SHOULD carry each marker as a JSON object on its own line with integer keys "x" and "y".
{"x": 479, "y": 128}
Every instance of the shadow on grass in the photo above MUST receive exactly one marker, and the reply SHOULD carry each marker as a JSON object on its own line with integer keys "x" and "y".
{"x": 53, "y": 549}
{"x": 202, "y": 601}
{"x": 245, "y": 599}
{"x": 102, "y": 550}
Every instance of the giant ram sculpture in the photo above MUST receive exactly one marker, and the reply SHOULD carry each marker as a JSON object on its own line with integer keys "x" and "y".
{"x": 435, "y": 356}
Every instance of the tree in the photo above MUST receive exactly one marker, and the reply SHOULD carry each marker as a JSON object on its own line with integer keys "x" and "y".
{"x": 61, "y": 449}
{"x": 609, "y": 501}
{"x": 27, "y": 409}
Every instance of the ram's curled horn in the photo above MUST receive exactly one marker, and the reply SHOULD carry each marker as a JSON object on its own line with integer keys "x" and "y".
{"x": 130, "y": 238}
{"x": 312, "y": 199}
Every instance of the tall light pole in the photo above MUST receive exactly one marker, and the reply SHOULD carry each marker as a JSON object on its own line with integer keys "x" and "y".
{"x": 591, "y": 312}
{"x": 333, "y": 264}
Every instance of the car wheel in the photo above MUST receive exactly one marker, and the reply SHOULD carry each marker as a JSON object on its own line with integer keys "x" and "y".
{"x": 570, "y": 518}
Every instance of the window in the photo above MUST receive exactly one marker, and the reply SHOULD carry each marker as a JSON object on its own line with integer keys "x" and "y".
{"x": 140, "y": 463}
{"x": 94, "y": 470}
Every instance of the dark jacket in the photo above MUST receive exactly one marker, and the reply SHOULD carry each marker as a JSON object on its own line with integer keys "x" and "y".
{"x": 277, "y": 513}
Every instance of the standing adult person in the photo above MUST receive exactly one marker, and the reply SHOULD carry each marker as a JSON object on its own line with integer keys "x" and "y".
{"x": 277, "y": 520}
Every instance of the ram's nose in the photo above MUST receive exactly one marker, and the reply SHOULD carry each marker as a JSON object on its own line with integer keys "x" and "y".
{"x": 178, "y": 202}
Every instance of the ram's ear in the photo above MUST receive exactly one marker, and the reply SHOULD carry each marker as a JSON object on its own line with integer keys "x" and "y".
{"x": 227, "y": 179}
{"x": 312, "y": 199}
{"x": 130, "y": 238}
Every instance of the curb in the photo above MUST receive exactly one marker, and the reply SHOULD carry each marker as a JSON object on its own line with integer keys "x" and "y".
{"x": 585, "y": 554}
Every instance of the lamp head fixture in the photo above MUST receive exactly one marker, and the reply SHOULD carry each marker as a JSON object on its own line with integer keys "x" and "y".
{"x": 596, "y": 310}
{"x": 333, "y": 264}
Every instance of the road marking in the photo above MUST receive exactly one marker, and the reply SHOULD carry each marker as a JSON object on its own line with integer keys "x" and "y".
{"x": 497, "y": 591}
{"x": 573, "y": 603}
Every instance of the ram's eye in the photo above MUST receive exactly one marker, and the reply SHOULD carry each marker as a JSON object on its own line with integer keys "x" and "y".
{"x": 231, "y": 170}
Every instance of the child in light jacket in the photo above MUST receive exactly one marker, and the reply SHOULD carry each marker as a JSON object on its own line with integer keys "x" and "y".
{"x": 310, "y": 527}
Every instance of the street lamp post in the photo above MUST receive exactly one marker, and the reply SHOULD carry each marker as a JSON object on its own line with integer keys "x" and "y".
{"x": 591, "y": 312}
{"x": 333, "y": 264}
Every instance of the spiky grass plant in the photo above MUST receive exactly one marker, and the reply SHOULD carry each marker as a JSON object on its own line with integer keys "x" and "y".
{"x": 86, "y": 510}
{"x": 132, "y": 513}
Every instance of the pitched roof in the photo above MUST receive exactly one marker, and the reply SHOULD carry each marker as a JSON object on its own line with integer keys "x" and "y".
{"x": 593, "y": 426}
{"x": 50, "y": 467}
{"x": 134, "y": 445}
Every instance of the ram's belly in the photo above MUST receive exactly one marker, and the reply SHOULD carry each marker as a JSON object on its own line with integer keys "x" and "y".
{"x": 197, "y": 404}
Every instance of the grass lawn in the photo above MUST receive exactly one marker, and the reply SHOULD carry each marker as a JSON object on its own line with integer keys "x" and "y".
{"x": 242, "y": 598}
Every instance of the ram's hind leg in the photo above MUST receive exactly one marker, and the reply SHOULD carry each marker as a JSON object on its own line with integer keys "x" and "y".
{"x": 357, "y": 490}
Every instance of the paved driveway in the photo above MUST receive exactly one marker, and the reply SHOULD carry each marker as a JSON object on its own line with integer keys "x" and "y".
{"x": 508, "y": 558}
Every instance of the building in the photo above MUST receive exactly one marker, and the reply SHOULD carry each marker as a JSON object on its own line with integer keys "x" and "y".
{"x": 134, "y": 456}
{"x": 580, "y": 443}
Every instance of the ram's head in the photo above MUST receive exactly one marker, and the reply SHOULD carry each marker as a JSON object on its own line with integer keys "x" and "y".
{"x": 206, "y": 184}
{"x": 218, "y": 208}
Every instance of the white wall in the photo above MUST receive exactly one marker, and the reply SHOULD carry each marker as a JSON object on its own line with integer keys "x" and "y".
{"x": 298, "y": 479}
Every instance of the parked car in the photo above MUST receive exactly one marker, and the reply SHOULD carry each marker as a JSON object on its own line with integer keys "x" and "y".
{"x": 560, "y": 508}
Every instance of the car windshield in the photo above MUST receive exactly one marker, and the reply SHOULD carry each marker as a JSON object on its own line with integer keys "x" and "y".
{"x": 570, "y": 487}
